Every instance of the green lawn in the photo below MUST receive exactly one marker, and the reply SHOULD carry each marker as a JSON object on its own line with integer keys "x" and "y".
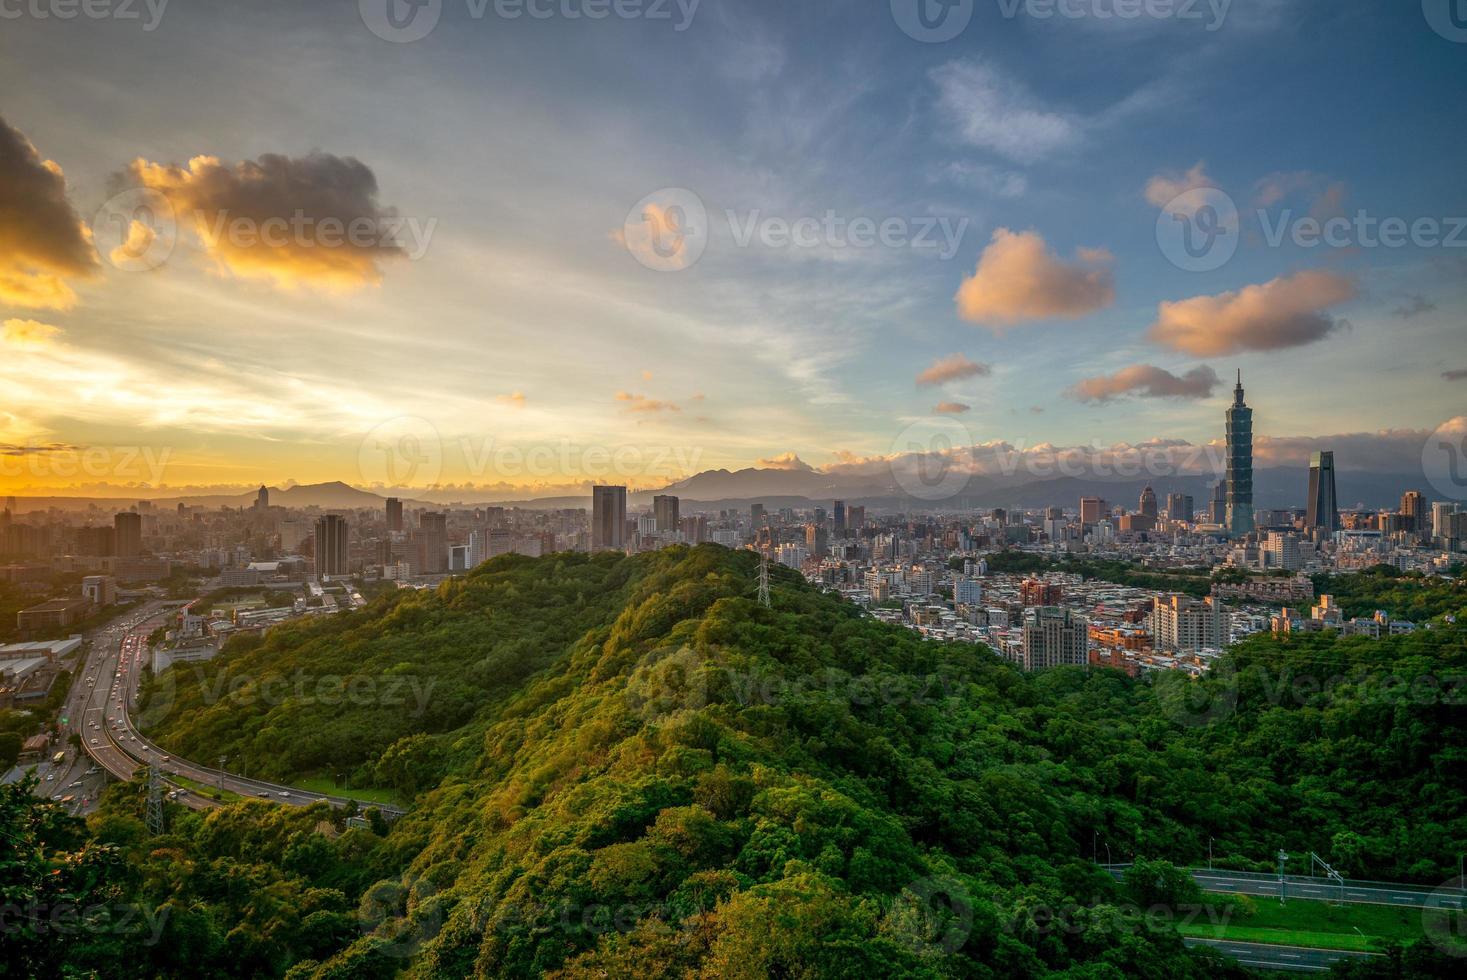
{"x": 324, "y": 784}
{"x": 1318, "y": 925}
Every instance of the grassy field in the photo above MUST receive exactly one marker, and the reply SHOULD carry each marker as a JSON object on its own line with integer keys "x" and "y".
{"x": 322, "y": 784}
{"x": 206, "y": 789}
{"x": 1318, "y": 925}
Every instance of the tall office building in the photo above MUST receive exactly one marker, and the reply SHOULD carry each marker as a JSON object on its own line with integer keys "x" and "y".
{"x": 332, "y": 550}
{"x": 432, "y": 543}
{"x": 1092, "y": 510}
{"x": 664, "y": 509}
{"x": 394, "y": 514}
{"x": 1148, "y": 502}
{"x": 1179, "y": 506}
{"x": 609, "y": 518}
{"x": 1240, "y": 464}
{"x": 128, "y": 534}
{"x": 1217, "y": 504}
{"x": 756, "y": 515}
{"x": 840, "y": 518}
{"x": 262, "y": 499}
{"x": 855, "y": 518}
{"x": 1053, "y": 636}
{"x": 1324, "y": 513}
{"x": 1441, "y": 518}
{"x": 1413, "y": 510}
{"x": 816, "y": 540}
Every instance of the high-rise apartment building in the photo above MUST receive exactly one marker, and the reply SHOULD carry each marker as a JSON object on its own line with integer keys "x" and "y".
{"x": 1181, "y": 624}
{"x": 1054, "y": 636}
{"x": 816, "y": 540}
{"x": 756, "y": 515}
{"x": 332, "y": 548}
{"x": 1323, "y": 518}
{"x": 394, "y": 514}
{"x": 665, "y": 510}
{"x": 127, "y": 529}
{"x": 1240, "y": 464}
{"x": 1441, "y": 518}
{"x": 1413, "y": 509}
{"x": 839, "y": 511}
{"x": 855, "y": 518}
{"x": 1283, "y": 551}
{"x": 1038, "y": 592}
{"x": 609, "y": 518}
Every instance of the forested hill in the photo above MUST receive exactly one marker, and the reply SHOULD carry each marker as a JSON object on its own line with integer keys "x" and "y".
{"x": 626, "y": 766}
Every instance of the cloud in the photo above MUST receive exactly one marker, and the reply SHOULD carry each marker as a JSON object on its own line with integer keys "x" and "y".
{"x": 952, "y": 368}
{"x": 998, "y": 114}
{"x": 1147, "y": 381}
{"x": 1326, "y": 195}
{"x": 1455, "y": 375}
{"x": 1414, "y": 306}
{"x": 1018, "y": 279}
{"x": 785, "y": 461}
{"x": 641, "y": 403}
{"x": 649, "y": 238}
{"x": 1164, "y": 188}
{"x": 27, "y": 333}
{"x": 42, "y": 240}
{"x": 951, "y": 408}
{"x": 291, "y": 221}
{"x": 1284, "y": 312}
{"x": 515, "y": 399}
{"x": 992, "y": 181}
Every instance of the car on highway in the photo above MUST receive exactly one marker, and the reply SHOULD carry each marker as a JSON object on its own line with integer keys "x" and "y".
{"x": 284, "y": 794}
{"x": 94, "y": 741}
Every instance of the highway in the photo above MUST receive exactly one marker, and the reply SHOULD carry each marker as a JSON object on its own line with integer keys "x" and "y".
{"x": 104, "y": 694}
{"x": 1322, "y": 889}
{"x": 1266, "y": 956}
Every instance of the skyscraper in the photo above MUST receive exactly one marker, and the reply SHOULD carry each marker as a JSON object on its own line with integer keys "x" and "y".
{"x": 1179, "y": 506}
{"x": 394, "y": 514}
{"x": 332, "y": 551}
{"x": 1217, "y": 508}
{"x": 1324, "y": 513}
{"x": 1148, "y": 502}
{"x": 756, "y": 515}
{"x": 1240, "y": 464}
{"x": 262, "y": 499}
{"x": 1092, "y": 510}
{"x": 665, "y": 509}
{"x": 432, "y": 543}
{"x": 608, "y": 518}
{"x": 1413, "y": 511}
{"x": 855, "y": 518}
{"x": 840, "y": 518}
{"x": 128, "y": 534}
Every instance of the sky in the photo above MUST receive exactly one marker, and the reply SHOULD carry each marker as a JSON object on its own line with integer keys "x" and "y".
{"x": 535, "y": 247}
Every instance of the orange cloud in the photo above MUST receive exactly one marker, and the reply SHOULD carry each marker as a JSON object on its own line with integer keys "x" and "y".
{"x": 952, "y": 368}
{"x": 42, "y": 240}
{"x": 311, "y": 221}
{"x": 27, "y": 333}
{"x": 515, "y": 399}
{"x": 1165, "y": 188}
{"x": 951, "y": 408}
{"x": 1147, "y": 381}
{"x": 785, "y": 461}
{"x": 641, "y": 403}
{"x": 1284, "y": 312}
{"x": 1018, "y": 279}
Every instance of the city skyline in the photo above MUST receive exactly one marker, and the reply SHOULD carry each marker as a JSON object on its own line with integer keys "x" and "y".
{"x": 514, "y": 314}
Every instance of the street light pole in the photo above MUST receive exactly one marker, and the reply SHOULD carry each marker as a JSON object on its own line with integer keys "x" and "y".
{"x": 1209, "y": 853}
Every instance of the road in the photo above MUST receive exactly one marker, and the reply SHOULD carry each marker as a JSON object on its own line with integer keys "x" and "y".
{"x": 1270, "y": 957}
{"x": 104, "y": 694}
{"x": 1323, "y": 889}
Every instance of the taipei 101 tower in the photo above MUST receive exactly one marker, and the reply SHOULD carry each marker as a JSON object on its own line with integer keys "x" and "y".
{"x": 1240, "y": 464}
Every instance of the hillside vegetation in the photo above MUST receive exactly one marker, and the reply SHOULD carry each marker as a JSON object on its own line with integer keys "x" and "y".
{"x": 626, "y": 766}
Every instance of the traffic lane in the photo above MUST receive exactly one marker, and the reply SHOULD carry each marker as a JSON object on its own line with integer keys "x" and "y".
{"x": 1301, "y": 959}
{"x": 1356, "y": 894}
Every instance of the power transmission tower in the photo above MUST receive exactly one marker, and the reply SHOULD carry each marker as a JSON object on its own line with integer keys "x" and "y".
{"x": 155, "y": 801}
{"x": 764, "y": 580}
